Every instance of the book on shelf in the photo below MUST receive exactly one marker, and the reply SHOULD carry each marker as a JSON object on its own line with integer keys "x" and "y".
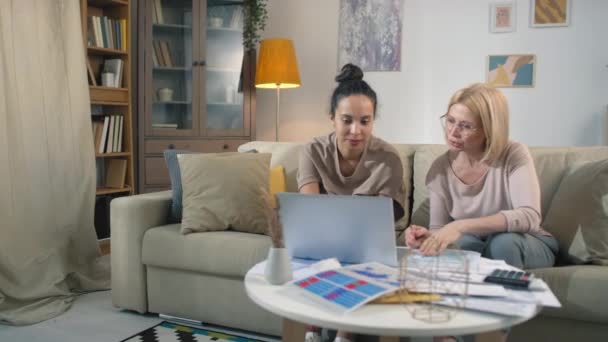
{"x": 105, "y": 32}
{"x": 109, "y": 134}
{"x": 154, "y": 16}
{"x": 120, "y": 130}
{"x": 116, "y": 173}
{"x": 97, "y": 133}
{"x": 110, "y": 32}
{"x": 123, "y": 32}
{"x": 166, "y": 53}
{"x": 116, "y": 130}
{"x": 110, "y": 143}
{"x": 91, "y": 73}
{"x": 104, "y": 135}
{"x": 158, "y": 52}
{"x": 154, "y": 59}
{"x": 158, "y": 8}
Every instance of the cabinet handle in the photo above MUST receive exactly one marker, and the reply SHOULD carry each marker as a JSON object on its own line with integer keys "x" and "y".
{"x": 202, "y": 63}
{"x": 195, "y": 63}
{"x": 225, "y": 147}
{"x": 171, "y": 146}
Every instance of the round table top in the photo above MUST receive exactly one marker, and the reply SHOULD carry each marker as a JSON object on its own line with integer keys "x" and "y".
{"x": 372, "y": 319}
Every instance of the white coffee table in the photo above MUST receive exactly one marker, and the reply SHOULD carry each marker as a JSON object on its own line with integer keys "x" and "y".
{"x": 373, "y": 319}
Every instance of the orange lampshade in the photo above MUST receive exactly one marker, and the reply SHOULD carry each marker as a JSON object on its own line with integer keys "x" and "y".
{"x": 277, "y": 65}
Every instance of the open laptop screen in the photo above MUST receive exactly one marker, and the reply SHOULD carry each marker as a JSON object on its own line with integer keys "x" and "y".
{"x": 353, "y": 229}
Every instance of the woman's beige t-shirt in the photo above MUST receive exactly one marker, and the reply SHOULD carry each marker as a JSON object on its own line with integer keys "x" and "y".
{"x": 379, "y": 171}
{"x": 510, "y": 187}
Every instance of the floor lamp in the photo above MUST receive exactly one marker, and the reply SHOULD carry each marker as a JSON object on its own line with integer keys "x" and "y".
{"x": 277, "y": 69}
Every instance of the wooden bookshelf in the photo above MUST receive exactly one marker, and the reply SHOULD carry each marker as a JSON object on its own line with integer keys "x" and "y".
{"x": 112, "y": 19}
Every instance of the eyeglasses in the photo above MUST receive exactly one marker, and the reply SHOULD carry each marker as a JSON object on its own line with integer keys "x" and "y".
{"x": 465, "y": 128}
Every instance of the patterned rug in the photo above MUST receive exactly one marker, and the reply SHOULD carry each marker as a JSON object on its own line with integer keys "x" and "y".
{"x": 171, "y": 332}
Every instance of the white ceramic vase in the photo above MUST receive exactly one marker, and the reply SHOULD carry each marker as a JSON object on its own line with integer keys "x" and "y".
{"x": 278, "y": 266}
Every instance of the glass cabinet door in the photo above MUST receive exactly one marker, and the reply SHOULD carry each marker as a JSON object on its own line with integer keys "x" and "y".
{"x": 225, "y": 80}
{"x": 170, "y": 106}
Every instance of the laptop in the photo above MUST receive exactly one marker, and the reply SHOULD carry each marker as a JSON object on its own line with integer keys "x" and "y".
{"x": 353, "y": 229}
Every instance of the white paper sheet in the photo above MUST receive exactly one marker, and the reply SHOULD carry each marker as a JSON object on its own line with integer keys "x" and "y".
{"x": 302, "y": 268}
{"x": 498, "y": 306}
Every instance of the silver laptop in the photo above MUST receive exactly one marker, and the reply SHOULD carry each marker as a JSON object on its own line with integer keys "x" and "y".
{"x": 353, "y": 229}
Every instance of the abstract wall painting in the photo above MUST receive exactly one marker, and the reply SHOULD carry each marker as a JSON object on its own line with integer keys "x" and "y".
{"x": 548, "y": 13}
{"x": 370, "y": 34}
{"x": 507, "y": 71}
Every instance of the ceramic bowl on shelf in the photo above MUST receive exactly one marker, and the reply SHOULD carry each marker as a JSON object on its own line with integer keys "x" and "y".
{"x": 165, "y": 95}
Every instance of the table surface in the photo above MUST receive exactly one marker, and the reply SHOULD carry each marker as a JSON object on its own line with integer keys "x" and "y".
{"x": 372, "y": 319}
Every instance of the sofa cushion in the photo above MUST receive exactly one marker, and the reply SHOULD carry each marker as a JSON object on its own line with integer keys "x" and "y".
{"x": 580, "y": 290}
{"x": 424, "y": 157}
{"x": 406, "y": 153}
{"x": 276, "y": 183}
{"x": 283, "y": 153}
{"x": 224, "y": 190}
{"x": 223, "y": 253}
{"x": 578, "y": 216}
{"x": 176, "y": 183}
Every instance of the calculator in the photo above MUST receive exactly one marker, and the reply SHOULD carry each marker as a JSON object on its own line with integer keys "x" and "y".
{"x": 517, "y": 279}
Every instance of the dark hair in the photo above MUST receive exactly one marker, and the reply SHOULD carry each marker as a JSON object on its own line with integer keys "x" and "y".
{"x": 350, "y": 82}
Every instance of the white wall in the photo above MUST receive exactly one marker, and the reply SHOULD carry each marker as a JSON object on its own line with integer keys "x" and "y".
{"x": 445, "y": 46}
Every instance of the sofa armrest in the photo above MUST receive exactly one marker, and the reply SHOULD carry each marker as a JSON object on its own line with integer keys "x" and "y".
{"x": 130, "y": 217}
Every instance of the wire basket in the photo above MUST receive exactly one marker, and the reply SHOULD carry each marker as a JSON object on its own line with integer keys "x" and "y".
{"x": 446, "y": 275}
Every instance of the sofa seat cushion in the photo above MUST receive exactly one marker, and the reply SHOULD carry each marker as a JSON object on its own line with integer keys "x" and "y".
{"x": 582, "y": 290}
{"x": 224, "y": 253}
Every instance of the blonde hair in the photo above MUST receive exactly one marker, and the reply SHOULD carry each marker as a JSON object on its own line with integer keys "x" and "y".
{"x": 490, "y": 105}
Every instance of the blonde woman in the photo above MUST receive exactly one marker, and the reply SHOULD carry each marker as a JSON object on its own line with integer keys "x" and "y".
{"x": 484, "y": 192}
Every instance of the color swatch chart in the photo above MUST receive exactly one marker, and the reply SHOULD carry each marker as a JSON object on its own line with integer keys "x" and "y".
{"x": 342, "y": 288}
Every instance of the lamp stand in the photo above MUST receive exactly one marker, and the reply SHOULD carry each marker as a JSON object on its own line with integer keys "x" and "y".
{"x": 277, "y": 113}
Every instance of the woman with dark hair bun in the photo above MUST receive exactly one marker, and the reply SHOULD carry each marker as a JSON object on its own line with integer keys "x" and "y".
{"x": 350, "y": 160}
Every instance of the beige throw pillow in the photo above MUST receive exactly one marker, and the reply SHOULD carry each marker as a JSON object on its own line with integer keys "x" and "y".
{"x": 223, "y": 190}
{"x": 423, "y": 159}
{"x": 578, "y": 216}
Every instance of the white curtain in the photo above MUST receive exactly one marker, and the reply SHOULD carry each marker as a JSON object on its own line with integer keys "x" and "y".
{"x": 48, "y": 247}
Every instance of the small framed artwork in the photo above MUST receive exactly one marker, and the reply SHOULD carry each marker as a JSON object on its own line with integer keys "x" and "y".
{"x": 502, "y": 17}
{"x": 549, "y": 13}
{"x": 511, "y": 71}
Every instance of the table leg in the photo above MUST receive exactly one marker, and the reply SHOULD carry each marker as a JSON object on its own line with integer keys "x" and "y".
{"x": 491, "y": 336}
{"x": 293, "y": 331}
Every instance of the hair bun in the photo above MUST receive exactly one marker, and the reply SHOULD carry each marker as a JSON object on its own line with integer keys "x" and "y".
{"x": 349, "y": 72}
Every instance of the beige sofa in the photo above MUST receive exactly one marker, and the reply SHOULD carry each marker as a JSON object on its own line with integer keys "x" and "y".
{"x": 200, "y": 276}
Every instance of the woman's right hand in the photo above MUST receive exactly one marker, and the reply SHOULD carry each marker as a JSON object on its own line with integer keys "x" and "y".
{"x": 415, "y": 235}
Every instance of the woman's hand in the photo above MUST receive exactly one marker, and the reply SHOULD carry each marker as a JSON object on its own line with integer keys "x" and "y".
{"x": 440, "y": 239}
{"x": 415, "y": 236}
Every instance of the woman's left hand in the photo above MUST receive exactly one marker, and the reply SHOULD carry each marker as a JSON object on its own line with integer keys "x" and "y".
{"x": 440, "y": 239}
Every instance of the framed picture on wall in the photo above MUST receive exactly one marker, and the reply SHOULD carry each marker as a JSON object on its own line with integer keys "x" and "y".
{"x": 511, "y": 71}
{"x": 549, "y": 13}
{"x": 502, "y": 17}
